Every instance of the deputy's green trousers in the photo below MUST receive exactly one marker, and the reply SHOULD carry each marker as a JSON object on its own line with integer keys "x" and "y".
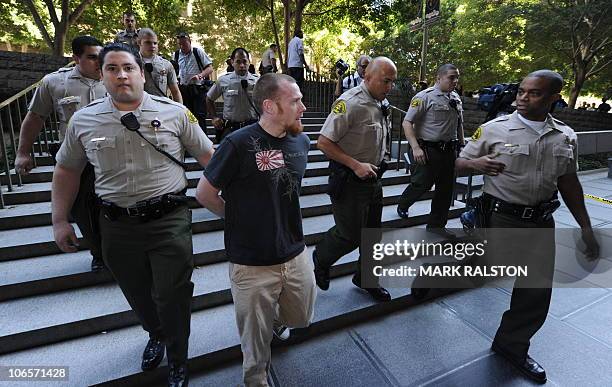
{"x": 152, "y": 262}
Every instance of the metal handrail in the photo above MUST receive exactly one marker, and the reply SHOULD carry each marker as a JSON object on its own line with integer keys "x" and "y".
{"x": 11, "y": 118}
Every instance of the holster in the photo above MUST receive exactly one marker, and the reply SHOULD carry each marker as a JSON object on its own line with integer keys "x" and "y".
{"x": 338, "y": 176}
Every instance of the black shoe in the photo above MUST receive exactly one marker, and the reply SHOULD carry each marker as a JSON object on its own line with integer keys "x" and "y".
{"x": 152, "y": 355}
{"x": 97, "y": 264}
{"x": 178, "y": 375}
{"x": 321, "y": 275}
{"x": 379, "y": 293}
{"x": 402, "y": 213}
{"x": 419, "y": 293}
{"x": 527, "y": 365}
{"x": 442, "y": 231}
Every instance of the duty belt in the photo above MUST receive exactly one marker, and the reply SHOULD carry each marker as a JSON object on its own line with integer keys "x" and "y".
{"x": 235, "y": 125}
{"x": 538, "y": 213}
{"x": 144, "y": 210}
{"x": 442, "y": 145}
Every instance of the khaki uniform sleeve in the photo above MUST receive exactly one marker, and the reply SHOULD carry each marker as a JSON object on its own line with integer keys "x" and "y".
{"x": 42, "y": 102}
{"x": 215, "y": 91}
{"x": 72, "y": 153}
{"x": 337, "y": 123}
{"x": 171, "y": 75}
{"x": 418, "y": 107}
{"x": 192, "y": 136}
{"x": 478, "y": 145}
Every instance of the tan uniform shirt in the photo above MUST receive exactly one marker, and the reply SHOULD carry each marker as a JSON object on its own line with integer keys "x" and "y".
{"x": 433, "y": 117}
{"x": 128, "y": 169}
{"x": 163, "y": 75}
{"x": 65, "y": 91}
{"x": 533, "y": 161}
{"x": 358, "y": 125}
{"x": 236, "y": 105}
{"x": 130, "y": 38}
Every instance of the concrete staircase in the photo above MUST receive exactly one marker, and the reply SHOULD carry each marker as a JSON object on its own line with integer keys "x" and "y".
{"x": 56, "y": 312}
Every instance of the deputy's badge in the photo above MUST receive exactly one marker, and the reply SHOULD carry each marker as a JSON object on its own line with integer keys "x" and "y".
{"x": 191, "y": 117}
{"x": 340, "y": 107}
{"x": 163, "y": 72}
{"x": 155, "y": 123}
{"x": 416, "y": 102}
{"x": 477, "y": 133}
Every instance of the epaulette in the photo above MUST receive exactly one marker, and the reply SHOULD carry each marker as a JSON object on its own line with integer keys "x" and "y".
{"x": 505, "y": 117}
{"x": 64, "y": 69}
{"x": 429, "y": 89}
{"x": 166, "y": 100}
{"x": 95, "y": 102}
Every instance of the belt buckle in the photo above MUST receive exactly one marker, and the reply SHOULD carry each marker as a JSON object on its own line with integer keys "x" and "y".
{"x": 527, "y": 213}
{"x": 133, "y": 211}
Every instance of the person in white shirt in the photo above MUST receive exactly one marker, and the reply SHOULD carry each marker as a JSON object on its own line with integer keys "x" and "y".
{"x": 268, "y": 60}
{"x": 295, "y": 58}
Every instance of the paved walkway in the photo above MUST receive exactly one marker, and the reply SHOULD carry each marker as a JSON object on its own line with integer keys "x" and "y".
{"x": 445, "y": 342}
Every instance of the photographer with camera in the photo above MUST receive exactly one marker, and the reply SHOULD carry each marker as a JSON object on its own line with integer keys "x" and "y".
{"x": 159, "y": 72}
{"x": 194, "y": 69}
{"x": 237, "y": 91}
{"x": 434, "y": 129}
{"x": 352, "y": 80}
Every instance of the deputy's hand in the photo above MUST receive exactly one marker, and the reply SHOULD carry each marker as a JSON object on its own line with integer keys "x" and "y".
{"x": 419, "y": 155}
{"x": 592, "y": 247}
{"x": 196, "y": 78}
{"x": 217, "y": 123}
{"x": 65, "y": 238}
{"x": 365, "y": 171}
{"x": 488, "y": 166}
{"x": 23, "y": 163}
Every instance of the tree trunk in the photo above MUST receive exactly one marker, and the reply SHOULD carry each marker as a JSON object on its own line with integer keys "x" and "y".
{"x": 59, "y": 40}
{"x": 287, "y": 29}
{"x": 276, "y": 38}
{"x": 579, "y": 78}
{"x": 299, "y": 15}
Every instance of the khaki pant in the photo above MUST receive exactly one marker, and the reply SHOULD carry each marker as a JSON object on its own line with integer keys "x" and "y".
{"x": 263, "y": 294}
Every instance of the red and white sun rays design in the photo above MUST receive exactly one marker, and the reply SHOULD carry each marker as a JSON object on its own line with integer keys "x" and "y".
{"x": 269, "y": 160}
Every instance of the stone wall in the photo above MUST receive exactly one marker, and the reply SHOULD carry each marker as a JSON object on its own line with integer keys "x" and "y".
{"x": 19, "y": 70}
{"x": 579, "y": 120}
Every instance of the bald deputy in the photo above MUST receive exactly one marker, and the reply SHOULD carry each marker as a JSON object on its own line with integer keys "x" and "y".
{"x": 354, "y": 138}
{"x": 434, "y": 129}
{"x": 136, "y": 143}
{"x": 526, "y": 157}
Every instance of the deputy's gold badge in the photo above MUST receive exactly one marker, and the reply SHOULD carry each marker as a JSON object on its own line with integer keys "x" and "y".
{"x": 477, "y": 133}
{"x": 191, "y": 117}
{"x": 340, "y": 107}
{"x": 416, "y": 102}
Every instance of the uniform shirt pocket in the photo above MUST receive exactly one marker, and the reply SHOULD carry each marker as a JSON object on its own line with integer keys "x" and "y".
{"x": 102, "y": 152}
{"x": 563, "y": 155}
{"x": 515, "y": 157}
{"x": 440, "y": 111}
{"x": 156, "y": 159}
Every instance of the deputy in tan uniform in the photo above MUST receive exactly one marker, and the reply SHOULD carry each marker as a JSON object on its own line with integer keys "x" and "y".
{"x": 144, "y": 220}
{"x": 65, "y": 91}
{"x": 354, "y": 138}
{"x": 526, "y": 157}
{"x": 434, "y": 129}
{"x": 159, "y": 72}
{"x": 237, "y": 91}
{"x": 129, "y": 35}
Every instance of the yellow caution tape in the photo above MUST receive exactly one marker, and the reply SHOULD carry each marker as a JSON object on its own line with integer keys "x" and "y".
{"x": 602, "y": 200}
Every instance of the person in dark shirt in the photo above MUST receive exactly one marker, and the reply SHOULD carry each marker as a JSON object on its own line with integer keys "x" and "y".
{"x": 603, "y": 107}
{"x": 259, "y": 170}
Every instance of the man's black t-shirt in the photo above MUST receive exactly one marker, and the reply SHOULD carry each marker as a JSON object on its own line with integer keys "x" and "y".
{"x": 260, "y": 177}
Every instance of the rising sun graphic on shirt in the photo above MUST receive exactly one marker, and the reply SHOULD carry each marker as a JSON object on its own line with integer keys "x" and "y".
{"x": 273, "y": 161}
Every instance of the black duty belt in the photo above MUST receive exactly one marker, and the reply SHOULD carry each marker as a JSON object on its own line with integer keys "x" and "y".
{"x": 382, "y": 168}
{"x": 235, "y": 125}
{"x": 442, "y": 145}
{"x": 539, "y": 213}
{"x": 144, "y": 210}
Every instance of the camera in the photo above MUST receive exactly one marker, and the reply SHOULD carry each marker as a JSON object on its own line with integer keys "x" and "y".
{"x": 341, "y": 66}
{"x": 497, "y": 99}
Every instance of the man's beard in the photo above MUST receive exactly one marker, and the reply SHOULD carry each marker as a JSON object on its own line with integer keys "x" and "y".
{"x": 295, "y": 128}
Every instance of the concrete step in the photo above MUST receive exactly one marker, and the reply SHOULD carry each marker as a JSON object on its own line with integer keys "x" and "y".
{"x": 214, "y": 338}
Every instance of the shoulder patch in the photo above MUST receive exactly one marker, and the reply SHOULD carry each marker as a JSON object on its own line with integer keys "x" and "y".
{"x": 477, "y": 133}
{"x": 191, "y": 117}
{"x": 339, "y": 107}
{"x": 416, "y": 102}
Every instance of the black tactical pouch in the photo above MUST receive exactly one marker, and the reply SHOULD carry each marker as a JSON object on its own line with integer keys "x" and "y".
{"x": 338, "y": 176}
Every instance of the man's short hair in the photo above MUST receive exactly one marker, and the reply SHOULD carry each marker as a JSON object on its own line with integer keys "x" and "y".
{"x": 80, "y": 42}
{"x": 183, "y": 35}
{"x": 442, "y": 70}
{"x": 361, "y": 58}
{"x": 273, "y": 45}
{"x": 240, "y": 49}
{"x": 555, "y": 80}
{"x": 129, "y": 13}
{"x": 146, "y": 32}
{"x": 267, "y": 88}
{"x": 297, "y": 32}
{"x": 118, "y": 47}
